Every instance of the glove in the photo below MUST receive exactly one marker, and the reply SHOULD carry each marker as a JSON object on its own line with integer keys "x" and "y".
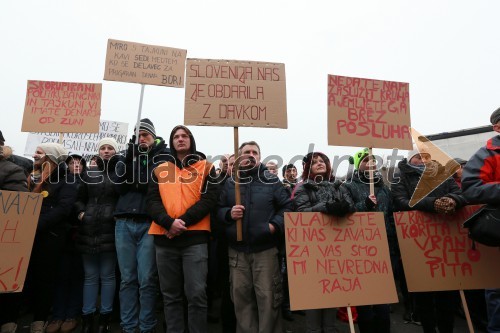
{"x": 445, "y": 205}
{"x": 369, "y": 203}
{"x": 337, "y": 208}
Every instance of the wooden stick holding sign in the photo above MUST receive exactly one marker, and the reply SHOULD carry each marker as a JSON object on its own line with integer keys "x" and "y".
{"x": 370, "y": 170}
{"x": 239, "y": 228}
{"x": 466, "y": 310}
{"x": 139, "y": 114}
{"x": 351, "y": 321}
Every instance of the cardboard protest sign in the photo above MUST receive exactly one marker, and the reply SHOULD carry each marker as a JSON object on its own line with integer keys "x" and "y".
{"x": 368, "y": 113}
{"x": 338, "y": 261}
{"x": 85, "y": 144}
{"x": 147, "y": 64}
{"x": 62, "y": 107}
{"x": 19, "y": 213}
{"x": 235, "y": 93}
{"x": 438, "y": 255}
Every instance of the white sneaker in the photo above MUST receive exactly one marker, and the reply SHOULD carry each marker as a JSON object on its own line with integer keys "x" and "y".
{"x": 8, "y": 328}
{"x": 37, "y": 327}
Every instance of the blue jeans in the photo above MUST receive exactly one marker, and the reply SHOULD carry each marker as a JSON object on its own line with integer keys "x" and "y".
{"x": 493, "y": 304}
{"x": 136, "y": 259}
{"x": 183, "y": 270}
{"x": 101, "y": 265}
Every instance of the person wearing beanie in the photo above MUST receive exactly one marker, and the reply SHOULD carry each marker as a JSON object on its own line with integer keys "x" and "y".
{"x": 373, "y": 318}
{"x": 435, "y": 309}
{"x": 95, "y": 238}
{"x": 180, "y": 207}
{"x": 108, "y": 141}
{"x": 480, "y": 184}
{"x": 58, "y": 188}
{"x": 55, "y": 152}
{"x": 146, "y": 125}
{"x": 134, "y": 246}
{"x": 319, "y": 192}
{"x": 289, "y": 173}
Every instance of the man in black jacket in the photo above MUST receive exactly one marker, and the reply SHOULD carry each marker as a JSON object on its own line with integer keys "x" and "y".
{"x": 23, "y": 162}
{"x": 134, "y": 246}
{"x": 253, "y": 262}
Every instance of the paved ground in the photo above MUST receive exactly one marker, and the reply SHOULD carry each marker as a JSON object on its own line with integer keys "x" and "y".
{"x": 298, "y": 325}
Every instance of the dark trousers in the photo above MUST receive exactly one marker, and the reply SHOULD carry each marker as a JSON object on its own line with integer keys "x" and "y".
{"x": 437, "y": 309}
{"x": 69, "y": 287}
{"x": 374, "y": 318}
{"x": 42, "y": 272}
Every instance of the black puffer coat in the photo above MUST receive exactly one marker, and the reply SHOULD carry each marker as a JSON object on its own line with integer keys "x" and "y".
{"x": 12, "y": 177}
{"x": 59, "y": 196}
{"x": 134, "y": 179}
{"x": 359, "y": 189}
{"x": 97, "y": 198}
{"x": 406, "y": 183}
{"x": 312, "y": 197}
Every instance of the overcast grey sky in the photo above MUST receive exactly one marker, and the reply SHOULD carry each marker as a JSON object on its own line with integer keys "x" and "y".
{"x": 447, "y": 50}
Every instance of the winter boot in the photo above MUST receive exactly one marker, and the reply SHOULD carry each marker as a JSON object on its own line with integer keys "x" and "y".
{"x": 104, "y": 323}
{"x": 88, "y": 323}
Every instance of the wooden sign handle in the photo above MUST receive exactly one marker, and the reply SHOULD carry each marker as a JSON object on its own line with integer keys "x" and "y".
{"x": 351, "y": 321}
{"x": 239, "y": 227}
{"x": 370, "y": 171}
{"x": 466, "y": 311}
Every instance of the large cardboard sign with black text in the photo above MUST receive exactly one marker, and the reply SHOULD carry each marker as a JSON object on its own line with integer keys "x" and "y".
{"x": 147, "y": 64}
{"x": 84, "y": 144}
{"x": 368, "y": 113}
{"x": 438, "y": 255}
{"x": 336, "y": 262}
{"x": 63, "y": 107}
{"x": 235, "y": 93}
{"x": 19, "y": 213}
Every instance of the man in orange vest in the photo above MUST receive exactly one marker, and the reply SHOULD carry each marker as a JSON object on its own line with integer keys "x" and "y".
{"x": 180, "y": 200}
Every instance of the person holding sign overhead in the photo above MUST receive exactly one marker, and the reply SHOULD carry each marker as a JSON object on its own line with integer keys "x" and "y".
{"x": 436, "y": 309}
{"x": 319, "y": 192}
{"x": 255, "y": 276}
{"x": 373, "y": 318}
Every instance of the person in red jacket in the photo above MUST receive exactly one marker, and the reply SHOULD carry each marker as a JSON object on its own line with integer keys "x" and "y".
{"x": 481, "y": 184}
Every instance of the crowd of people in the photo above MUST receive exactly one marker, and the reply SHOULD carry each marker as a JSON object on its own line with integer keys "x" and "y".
{"x": 158, "y": 223}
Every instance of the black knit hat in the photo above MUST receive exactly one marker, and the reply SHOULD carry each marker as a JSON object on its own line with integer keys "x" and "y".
{"x": 495, "y": 116}
{"x": 286, "y": 167}
{"x": 147, "y": 125}
{"x": 2, "y": 139}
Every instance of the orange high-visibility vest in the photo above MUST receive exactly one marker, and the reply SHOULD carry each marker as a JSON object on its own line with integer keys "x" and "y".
{"x": 179, "y": 190}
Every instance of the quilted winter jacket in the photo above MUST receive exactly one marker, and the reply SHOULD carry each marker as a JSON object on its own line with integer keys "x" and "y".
{"x": 265, "y": 200}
